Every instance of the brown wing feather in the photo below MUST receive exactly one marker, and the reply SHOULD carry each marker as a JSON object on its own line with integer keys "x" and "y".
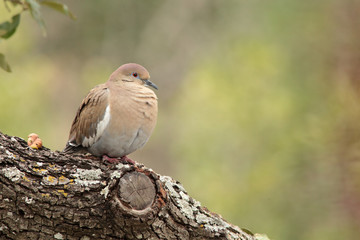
{"x": 90, "y": 112}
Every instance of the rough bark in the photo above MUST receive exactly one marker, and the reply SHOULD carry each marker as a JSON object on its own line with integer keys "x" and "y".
{"x": 52, "y": 195}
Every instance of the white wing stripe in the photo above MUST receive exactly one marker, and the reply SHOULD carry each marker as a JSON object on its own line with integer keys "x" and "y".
{"x": 100, "y": 128}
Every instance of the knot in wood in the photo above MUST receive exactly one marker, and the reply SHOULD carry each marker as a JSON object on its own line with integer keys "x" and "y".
{"x": 137, "y": 191}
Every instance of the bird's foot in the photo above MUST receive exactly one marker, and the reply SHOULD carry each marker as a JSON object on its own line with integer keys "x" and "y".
{"x": 110, "y": 159}
{"x": 123, "y": 159}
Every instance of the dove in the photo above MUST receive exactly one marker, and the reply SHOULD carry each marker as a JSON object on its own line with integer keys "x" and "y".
{"x": 117, "y": 117}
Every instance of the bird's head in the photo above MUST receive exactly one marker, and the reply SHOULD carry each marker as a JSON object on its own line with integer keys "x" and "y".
{"x": 132, "y": 73}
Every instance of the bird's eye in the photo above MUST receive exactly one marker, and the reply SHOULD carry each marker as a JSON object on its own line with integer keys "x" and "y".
{"x": 134, "y": 74}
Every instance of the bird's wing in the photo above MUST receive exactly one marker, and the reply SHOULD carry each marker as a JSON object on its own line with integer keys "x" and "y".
{"x": 91, "y": 119}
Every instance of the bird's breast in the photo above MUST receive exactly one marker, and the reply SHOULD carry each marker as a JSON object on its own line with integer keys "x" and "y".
{"x": 132, "y": 120}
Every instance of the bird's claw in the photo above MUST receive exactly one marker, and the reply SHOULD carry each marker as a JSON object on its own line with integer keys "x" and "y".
{"x": 123, "y": 159}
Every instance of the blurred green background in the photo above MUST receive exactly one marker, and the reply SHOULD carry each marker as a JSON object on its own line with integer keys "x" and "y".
{"x": 258, "y": 100}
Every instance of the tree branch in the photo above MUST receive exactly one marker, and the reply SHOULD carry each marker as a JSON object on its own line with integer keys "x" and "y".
{"x": 52, "y": 195}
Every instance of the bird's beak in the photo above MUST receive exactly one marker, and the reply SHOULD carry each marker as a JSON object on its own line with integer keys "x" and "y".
{"x": 150, "y": 84}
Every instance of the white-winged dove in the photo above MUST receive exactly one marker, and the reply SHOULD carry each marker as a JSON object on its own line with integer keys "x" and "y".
{"x": 116, "y": 118}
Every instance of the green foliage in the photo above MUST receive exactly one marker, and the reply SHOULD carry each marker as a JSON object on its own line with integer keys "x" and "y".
{"x": 62, "y": 8}
{"x": 8, "y": 28}
{"x": 4, "y": 64}
{"x": 34, "y": 8}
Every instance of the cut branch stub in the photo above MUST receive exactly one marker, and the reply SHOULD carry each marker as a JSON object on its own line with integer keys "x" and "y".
{"x": 136, "y": 191}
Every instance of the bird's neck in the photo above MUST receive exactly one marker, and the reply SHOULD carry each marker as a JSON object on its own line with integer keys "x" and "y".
{"x": 133, "y": 89}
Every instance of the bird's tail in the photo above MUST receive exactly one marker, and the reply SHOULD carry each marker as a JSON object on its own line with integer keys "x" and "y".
{"x": 72, "y": 148}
